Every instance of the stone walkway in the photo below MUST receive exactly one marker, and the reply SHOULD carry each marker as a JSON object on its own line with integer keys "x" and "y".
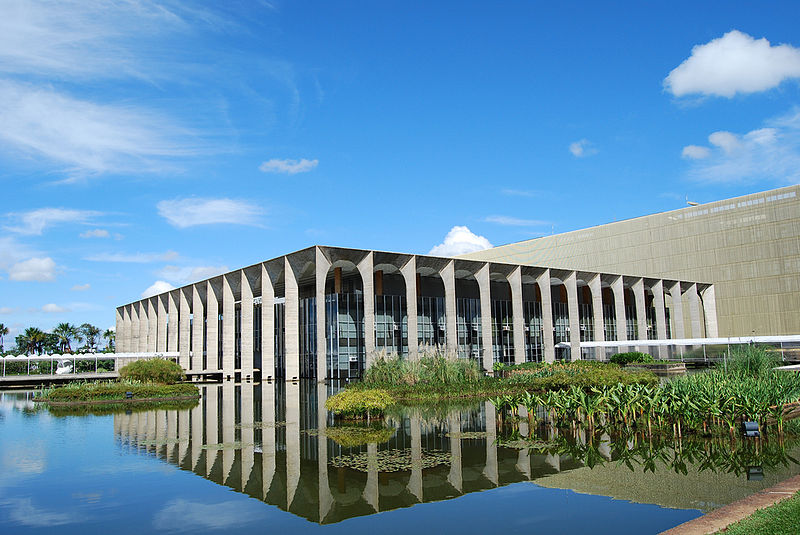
{"x": 724, "y": 516}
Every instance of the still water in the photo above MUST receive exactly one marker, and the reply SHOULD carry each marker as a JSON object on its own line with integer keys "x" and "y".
{"x": 268, "y": 458}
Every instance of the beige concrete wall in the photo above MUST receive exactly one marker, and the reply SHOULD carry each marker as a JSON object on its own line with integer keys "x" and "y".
{"x": 748, "y": 247}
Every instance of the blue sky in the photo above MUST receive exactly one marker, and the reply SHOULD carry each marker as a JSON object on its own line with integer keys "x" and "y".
{"x": 158, "y": 143}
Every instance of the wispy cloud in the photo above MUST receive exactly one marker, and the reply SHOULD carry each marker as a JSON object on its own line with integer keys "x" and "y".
{"x": 186, "y": 274}
{"x": 460, "y": 240}
{"x": 133, "y": 258}
{"x": 582, "y": 148}
{"x": 183, "y": 213}
{"x": 52, "y": 308}
{"x": 734, "y": 63}
{"x": 34, "y": 269}
{"x": 81, "y": 287}
{"x": 36, "y": 221}
{"x": 288, "y": 167}
{"x": 770, "y": 154}
{"x": 515, "y": 221}
{"x": 520, "y": 193}
{"x": 95, "y": 233}
{"x": 158, "y": 287}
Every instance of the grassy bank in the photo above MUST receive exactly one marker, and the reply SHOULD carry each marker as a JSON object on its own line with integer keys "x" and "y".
{"x": 79, "y": 392}
{"x": 783, "y": 518}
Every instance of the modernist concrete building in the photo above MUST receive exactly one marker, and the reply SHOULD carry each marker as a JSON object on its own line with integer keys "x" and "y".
{"x": 748, "y": 247}
{"x": 326, "y": 312}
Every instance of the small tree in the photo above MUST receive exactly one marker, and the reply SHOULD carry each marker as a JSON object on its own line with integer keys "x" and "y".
{"x": 3, "y": 331}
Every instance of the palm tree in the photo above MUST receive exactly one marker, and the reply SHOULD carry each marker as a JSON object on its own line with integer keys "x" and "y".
{"x": 66, "y": 332}
{"x": 110, "y": 337}
{"x": 3, "y": 331}
{"x": 32, "y": 339}
{"x": 90, "y": 332}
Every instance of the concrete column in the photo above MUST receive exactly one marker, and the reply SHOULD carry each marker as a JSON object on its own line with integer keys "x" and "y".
{"x": 543, "y": 281}
{"x": 198, "y": 319}
{"x": 212, "y": 426}
{"x": 268, "y": 464}
{"x": 247, "y": 325}
{"x": 409, "y": 272}
{"x": 641, "y": 309}
{"x": 247, "y": 433}
{"x": 485, "y": 291}
{"x": 127, "y": 330}
{"x": 135, "y": 330}
{"x": 228, "y": 427}
{"x": 618, "y": 289}
{"x": 415, "y": 485}
{"x": 152, "y": 324}
{"x": 292, "y": 441}
{"x": 212, "y": 328}
{"x": 365, "y": 268}
{"x": 490, "y": 470}
{"x": 161, "y": 337}
{"x": 183, "y": 435}
{"x": 325, "y": 495}
{"x": 228, "y": 325}
{"x": 515, "y": 282}
{"x": 292, "y": 312}
{"x": 596, "y": 287}
{"x": 144, "y": 324}
{"x": 661, "y": 316}
{"x": 694, "y": 311}
{"x": 196, "y": 440}
{"x": 267, "y": 325}
{"x": 321, "y": 267}
{"x": 456, "y": 476}
{"x": 448, "y": 275}
{"x": 710, "y": 312}
{"x": 119, "y": 329}
{"x": 184, "y": 327}
{"x": 571, "y": 283}
{"x": 676, "y": 312}
{"x": 172, "y": 327}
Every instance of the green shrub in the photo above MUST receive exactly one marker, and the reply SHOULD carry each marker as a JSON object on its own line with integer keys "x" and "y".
{"x": 623, "y": 359}
{"x": 153, "y": 371}
{"x": 581, "y": 373}
{"x": 358, "y": 403}
{"x": 352, "y": 436}
{"x": 110, "y": 390}
{"x": 427, "y": 369}
{"x": 752, "y": 361}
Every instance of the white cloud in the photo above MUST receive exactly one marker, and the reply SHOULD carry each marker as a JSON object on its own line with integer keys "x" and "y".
{"x": 460, "y": 240}
{"x": 36, "y": 221}
{"x": 158, "y": 287}
{"x": 95, "y": 233}
{"x": 33, "y": 269}
{"x": 23, "y": 512}
{"x": 514, "y": 221}
{"x": 7, "y": 310}
{"x": 52, "y": 308}
{"x": 520, "y": 193}
{"x": 183, "y": 213}
{"x": 186, "y": 274}
{"x": 133, "y": 258}
{"x": 695, "y": 152}
{"x": 86, "y": 137}
{"x": 289, "y": 167}
{"x": 11, "y": 251}
{"x": 183, "y": 515}
{"x": 81, "y": 287}
{"x": 582, "y": 148}
{"x": 734, "y": 63}
{"x": 770, "y": 154}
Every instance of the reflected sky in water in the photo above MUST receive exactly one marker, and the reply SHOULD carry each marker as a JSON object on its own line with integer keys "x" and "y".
{"x": 258, "y": 458}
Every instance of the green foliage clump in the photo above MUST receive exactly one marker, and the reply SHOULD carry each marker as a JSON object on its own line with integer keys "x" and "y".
{"x": 623, "y": 359}
{"x": 354, "y": 436}
{"x": 435, "y": 369}
{"x": 161, "y": 371}
{"x": 580, "y": 373}
{"x": 110, "y": 390}
{"x": 359, "y": 403}
{"x": 752, "y": 361}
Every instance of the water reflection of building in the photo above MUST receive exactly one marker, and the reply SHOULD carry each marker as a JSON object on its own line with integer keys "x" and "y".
{"x": 271, "y": 441}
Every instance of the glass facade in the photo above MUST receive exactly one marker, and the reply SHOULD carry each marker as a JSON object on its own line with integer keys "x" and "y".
{"x": 586, "y": 320}
{"x": 632, "y": 324}
{"x": 280, "y": 338}
{"x": 609, "y": 322}
{"x": 431, "y": 322}
{"x": 344, "y": 331}
{"x": 533, "y": 331}
{"x": 502, "y": 332}
{"x": 308, "y": 337}
{"x": 391, "y": 324}
{"x": 468, "y": 326}
{"x": 257, "y": 335}
{"x": 560, "y": 329}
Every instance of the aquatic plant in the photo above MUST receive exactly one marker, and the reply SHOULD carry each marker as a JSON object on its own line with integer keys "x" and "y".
{"x": 355, "y": 436}
{"x": 623, "y": 359}
{"x": 155, "y": 370}
{"x": 358, "y": 404}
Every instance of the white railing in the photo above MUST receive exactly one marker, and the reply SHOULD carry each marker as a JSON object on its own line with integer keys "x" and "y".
{"x": 67, "y": 362}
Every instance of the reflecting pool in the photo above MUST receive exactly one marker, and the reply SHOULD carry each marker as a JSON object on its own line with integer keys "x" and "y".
{"x": 269, "y": 458}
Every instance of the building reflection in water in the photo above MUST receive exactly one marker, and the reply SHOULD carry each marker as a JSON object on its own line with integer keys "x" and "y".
{"x": 271, "y": 442}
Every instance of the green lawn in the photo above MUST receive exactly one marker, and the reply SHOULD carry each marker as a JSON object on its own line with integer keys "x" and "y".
{"x": 780, "y": 519}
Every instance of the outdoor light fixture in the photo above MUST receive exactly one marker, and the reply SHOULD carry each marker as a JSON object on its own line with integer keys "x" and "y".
{"x": 755, "y": 473}
{"x": 750, "y": 430}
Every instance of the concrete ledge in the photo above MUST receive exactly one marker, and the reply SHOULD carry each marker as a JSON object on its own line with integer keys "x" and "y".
{"x": 725, "y": 516}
